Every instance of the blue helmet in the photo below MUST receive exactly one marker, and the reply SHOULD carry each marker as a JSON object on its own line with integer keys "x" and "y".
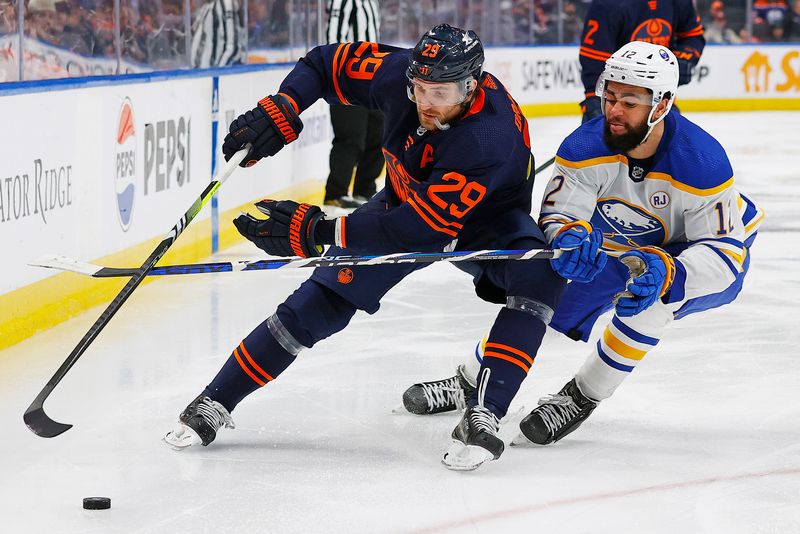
{"x": 446, "y": 54}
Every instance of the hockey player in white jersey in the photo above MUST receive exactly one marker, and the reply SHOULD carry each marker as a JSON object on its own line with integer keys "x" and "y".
{"x": 638, "y": 185}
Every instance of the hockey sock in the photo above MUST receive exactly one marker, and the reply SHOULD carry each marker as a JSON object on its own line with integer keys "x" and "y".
{"x": 310, "y": 314}
{"x": 257, "y": 360}
{"x": 619, "y": 350}
{"x": 509, "y": 352}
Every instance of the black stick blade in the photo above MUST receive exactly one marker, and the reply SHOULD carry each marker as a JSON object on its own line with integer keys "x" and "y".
{"x": 41, "y": 425}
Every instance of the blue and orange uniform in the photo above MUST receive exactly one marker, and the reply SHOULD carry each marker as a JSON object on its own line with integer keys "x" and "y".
{"x": 612, "y": 23}
{"x": 467, "y": 187}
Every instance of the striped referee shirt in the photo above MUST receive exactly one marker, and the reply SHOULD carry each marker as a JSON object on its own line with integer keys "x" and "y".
{"x": 218, "y": 36}
{"x": 353, "y": 20}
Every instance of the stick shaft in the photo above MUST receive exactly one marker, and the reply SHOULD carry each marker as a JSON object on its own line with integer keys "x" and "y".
{"x": 35, "y": 417}
{"x": 97, "y": 271}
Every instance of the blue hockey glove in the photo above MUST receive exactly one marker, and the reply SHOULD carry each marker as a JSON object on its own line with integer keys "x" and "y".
{"x": 581, "y": 258}
{"x": 269, "y": 126}
{"x": 643, "y": 290}
{"x": 288, "y": 230}
{"x": 591, "y": 108}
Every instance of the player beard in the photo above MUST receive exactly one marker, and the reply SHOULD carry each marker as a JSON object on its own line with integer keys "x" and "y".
{"x": 624, "y": 142}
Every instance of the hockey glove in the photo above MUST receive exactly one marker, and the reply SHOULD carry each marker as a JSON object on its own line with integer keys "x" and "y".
{"x": 269, "y": 126}
{"x": 581, "y": 258}
{"x": 591, "y": 108}
{"x": 288, "y": 230}
{"x": 685, "y": 70}
{"x": 656, "y": 280}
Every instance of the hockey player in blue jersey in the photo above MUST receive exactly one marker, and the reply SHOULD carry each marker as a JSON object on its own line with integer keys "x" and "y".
{"x": 609, "y": 24}
{"x": 459, "y": 176}
{"x": 655, "y": 192}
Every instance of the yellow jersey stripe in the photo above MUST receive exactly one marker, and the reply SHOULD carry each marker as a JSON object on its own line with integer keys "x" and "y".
{"x": 688, "y": 188}
{"x": 616, "y": 158}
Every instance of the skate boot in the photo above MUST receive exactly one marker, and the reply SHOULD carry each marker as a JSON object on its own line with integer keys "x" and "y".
{"x": 440, "y": 395}
{"x": 475, "y": 437}
{"x": 199, "y": 423}
{"x": 556, "y": 416}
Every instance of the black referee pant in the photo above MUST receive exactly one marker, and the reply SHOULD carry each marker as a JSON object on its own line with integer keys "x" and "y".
{"x": 357, "y": 140}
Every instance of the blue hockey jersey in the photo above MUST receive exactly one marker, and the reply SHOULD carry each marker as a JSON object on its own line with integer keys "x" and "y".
{"x": 612, "y": 23}
{"x": 472, "y": 182}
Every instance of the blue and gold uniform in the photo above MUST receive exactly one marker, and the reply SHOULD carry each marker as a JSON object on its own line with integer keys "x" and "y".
{"x": 683, "y": 200}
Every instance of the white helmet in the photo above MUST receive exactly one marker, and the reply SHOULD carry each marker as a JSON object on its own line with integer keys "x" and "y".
{"x": 643, "y": 65}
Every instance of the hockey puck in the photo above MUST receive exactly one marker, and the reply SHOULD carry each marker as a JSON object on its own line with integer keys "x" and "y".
{"x": 96, "y": 503}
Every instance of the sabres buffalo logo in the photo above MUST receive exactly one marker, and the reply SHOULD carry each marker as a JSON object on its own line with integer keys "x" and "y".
{"x": 627, "y": 225}
{"x": 656, "y": 31}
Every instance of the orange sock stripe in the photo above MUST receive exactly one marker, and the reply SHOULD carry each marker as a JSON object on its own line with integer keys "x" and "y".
{"x": 253, "y": 363}
{"x": 512, "y": 350}
{"x": 511, "y": 359}
{"x": 246, "y": 369}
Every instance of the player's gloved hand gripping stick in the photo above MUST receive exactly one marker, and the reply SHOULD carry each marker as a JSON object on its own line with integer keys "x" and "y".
{"x": 38, "y": 421}
{"x": 652, "y": 271}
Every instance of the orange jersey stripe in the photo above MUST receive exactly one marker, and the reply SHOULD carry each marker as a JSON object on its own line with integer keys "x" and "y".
{"x": 253, "y": 363}
{"x": 435, "y": 215}
{"x": 512, "y": 350}
{"x": 246, "y": 369}
{"x": 691, "y": 33}
{"x": 337, "y": 60}
{"x": 511, "y": 359}
{"x": 428, "y": 221}
{"x": 594, "y": 54}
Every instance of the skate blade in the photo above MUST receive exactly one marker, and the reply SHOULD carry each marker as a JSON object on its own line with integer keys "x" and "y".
{"x": 461, "y": 457}
{"x": 182, "y": 437}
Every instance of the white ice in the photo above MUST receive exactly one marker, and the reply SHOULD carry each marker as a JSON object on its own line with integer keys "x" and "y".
{"x": 703, "y": 437}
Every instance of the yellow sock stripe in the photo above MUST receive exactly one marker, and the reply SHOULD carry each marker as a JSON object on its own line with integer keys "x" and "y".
{"x": 620, "y": 347}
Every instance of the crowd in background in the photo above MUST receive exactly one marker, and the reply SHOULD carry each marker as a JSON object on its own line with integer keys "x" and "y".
{"x": 157, "y": 34}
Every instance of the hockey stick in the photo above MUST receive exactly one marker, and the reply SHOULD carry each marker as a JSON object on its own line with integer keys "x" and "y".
{"x": 38, "y": 421}
{"x": 64, "y": 263}
{"x": 544, "y": 165}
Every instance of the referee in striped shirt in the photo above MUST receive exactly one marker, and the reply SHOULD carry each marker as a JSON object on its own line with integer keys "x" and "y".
{"x": 218, "y": 35}
{"x": 357, "y": 131}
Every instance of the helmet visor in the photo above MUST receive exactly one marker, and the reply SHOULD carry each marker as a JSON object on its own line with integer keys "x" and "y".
{"x": 438, "y": 93}
{"x": 622, "y": 95}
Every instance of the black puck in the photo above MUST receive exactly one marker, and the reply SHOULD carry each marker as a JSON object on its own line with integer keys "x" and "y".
{"x": 96, "y": 503}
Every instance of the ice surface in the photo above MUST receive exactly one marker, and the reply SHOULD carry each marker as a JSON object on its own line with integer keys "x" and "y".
{"x": 703, "y": 437}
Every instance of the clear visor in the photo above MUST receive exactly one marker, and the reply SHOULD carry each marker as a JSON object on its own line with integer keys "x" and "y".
{"x": 626, "y": 96}
{"x": 439, "y": 93}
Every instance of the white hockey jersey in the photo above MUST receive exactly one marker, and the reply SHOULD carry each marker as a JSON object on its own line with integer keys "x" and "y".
{"x": 685, "y": 201}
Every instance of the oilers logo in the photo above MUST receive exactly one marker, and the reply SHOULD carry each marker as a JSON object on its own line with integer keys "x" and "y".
{"x": 626, "y": 224}
{"x": 656, "y": 31}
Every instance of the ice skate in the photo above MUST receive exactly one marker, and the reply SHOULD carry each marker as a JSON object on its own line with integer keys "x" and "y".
{"x": 556, "y": 416}
{"x": 199, "y": 423}
{"x": 439, "y": 396}
{"x": 475, "y": 438}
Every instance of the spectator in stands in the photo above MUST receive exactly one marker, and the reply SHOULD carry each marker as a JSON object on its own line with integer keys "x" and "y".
{"x": 793, "y": 22}
{"x": 76, "y": 35}
{"x": 716, "y": 26}
{"x": 42, "y": 21}
{"x": 8, "y": 17}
